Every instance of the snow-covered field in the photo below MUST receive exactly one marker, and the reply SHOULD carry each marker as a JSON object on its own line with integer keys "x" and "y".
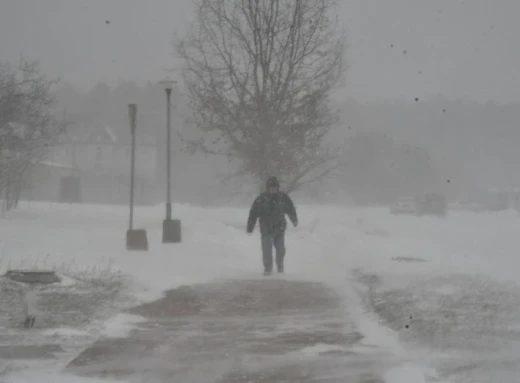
{"x": 438, "y": 295}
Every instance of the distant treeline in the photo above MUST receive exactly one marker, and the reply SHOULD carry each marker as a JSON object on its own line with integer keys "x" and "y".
{"x": 391, "y": 148}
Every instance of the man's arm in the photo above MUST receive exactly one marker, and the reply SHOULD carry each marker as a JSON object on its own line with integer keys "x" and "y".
{"x": 290, "y": 210}
{"x": 253, "y": 216}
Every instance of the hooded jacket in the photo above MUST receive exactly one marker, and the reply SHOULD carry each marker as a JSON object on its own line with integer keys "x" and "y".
{"x": 270, "y": 210}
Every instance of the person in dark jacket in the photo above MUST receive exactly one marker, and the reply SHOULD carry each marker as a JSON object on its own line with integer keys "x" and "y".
{"x": 270, "y": 209}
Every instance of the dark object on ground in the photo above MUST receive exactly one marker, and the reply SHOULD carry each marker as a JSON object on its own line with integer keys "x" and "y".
{"x": 431, "y": 204}
{"x": 171, "y": 231}
{"x": 498, "y": 201}
{"x": 136, "y": 239}
{"x": 40, "y": 277}
{"x": 29, "y": 321}
{"x": 404, "y": 205}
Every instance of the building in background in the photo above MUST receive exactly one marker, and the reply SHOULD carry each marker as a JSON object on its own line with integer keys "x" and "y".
{"x": 95, "y": 168}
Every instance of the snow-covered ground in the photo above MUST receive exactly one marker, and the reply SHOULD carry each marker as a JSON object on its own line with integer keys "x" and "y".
{"x": 439, "y": 295}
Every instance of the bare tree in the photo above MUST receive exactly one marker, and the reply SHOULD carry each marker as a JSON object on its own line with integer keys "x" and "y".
{"x": 28, "y": 124}
{"x": 259, "y": 74}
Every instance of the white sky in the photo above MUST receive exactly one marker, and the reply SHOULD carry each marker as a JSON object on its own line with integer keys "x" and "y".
{"x": 458, "y": 48}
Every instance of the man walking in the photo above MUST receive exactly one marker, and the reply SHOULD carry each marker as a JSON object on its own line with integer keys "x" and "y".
{"x": 270, "y": 209}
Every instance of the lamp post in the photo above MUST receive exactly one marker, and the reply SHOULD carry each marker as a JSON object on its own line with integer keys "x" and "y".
{"x": 171, "y": 227}
{"x": 132, "y": 111}
{"x": 136, "y": 239}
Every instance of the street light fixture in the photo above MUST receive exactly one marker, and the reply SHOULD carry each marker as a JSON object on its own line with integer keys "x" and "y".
{"x": 171, "y": 228}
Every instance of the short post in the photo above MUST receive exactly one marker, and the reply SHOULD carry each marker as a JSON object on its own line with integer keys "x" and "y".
{"x": 136, "y": 239}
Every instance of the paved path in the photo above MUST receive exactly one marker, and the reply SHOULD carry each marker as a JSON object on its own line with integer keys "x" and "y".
{"x": 235, "y": 331}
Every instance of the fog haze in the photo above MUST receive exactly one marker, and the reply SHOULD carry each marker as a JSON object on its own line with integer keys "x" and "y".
{"x": 398, "y": 49}
{"x": 379, "y": 172}
{"x": 441, "y": 76}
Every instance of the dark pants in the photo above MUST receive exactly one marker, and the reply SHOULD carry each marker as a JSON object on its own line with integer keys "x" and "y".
{"x": 278, "y": 241}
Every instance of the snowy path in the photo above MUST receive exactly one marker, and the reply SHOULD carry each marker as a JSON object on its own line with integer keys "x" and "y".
{"x": 237, "y": 331}
{"x": 425, "y": 268}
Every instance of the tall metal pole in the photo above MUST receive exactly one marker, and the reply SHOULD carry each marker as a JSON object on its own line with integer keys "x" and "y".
{"x": 132, "y": 110}
{"x": 168, "y": 156}
{"x": 171, "y": 227}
